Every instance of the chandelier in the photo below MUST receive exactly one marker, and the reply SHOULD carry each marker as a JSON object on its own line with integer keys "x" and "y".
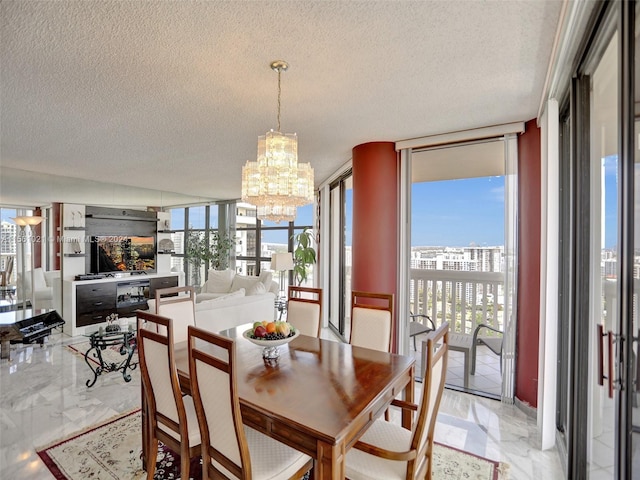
{"x": 276, "y": 183}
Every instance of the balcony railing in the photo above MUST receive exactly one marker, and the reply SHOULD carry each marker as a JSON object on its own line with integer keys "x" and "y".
{"x": 464, "y": 299}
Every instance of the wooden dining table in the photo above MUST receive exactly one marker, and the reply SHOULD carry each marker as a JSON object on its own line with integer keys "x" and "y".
{"x": 319, "y": 397}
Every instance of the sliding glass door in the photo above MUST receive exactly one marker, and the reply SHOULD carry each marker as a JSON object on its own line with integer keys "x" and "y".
{"x": 598, "y": 416}
{"x": 340, "y": 254}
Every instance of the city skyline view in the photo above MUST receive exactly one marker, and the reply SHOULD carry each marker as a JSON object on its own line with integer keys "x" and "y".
{"x": 455, "y": 213}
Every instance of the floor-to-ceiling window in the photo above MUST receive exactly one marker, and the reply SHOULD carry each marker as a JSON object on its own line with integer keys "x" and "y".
{"x": 257, "y": 241}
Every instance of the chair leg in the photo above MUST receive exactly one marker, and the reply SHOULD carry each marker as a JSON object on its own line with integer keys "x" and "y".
{"x": 152, "y": 457}
{"x": 473, "y": 358}
{"x": 185, "y": 460}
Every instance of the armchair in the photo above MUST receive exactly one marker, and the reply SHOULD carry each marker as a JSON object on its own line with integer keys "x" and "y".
{"x": 42, "y": 287}
{"x": 494, "y": 344}
{"x": 417, "y": 326}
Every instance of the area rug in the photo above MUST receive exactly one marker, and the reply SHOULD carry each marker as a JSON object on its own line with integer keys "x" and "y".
{"x": 112, "y": 450}
{"x": 109, "y": 355}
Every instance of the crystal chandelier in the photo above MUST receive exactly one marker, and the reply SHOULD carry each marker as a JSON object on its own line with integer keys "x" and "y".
{"x": 276, "y": 183}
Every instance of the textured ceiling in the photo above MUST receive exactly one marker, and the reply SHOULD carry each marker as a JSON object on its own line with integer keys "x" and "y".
{"x": 173, "y": 95}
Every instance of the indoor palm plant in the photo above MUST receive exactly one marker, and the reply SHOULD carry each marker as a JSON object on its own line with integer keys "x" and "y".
{"x": 304, "y": 255}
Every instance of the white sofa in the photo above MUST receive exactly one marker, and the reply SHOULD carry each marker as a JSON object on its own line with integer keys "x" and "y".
{"x": 228, "y": 300}
{"x": 223, "y": 282}
{"x": 234, "y": 309}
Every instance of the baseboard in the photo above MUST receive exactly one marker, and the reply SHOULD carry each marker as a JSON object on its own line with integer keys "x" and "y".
{"x": 528, "y": 410}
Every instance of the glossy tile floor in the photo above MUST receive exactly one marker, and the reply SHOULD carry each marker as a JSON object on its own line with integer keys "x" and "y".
{"x": 43, "y": 397}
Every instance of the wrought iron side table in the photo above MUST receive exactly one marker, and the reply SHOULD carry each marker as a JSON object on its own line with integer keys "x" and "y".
{"x": 100, "y": 341}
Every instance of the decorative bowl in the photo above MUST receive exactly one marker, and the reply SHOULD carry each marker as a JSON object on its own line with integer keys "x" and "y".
{"x": 270, "y": 347}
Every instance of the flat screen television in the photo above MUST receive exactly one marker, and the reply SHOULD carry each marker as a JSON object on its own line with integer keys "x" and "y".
{"x": 118, "y": 253}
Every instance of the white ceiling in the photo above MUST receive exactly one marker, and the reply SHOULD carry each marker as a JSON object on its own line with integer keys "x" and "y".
{"x": 173, "y": 95}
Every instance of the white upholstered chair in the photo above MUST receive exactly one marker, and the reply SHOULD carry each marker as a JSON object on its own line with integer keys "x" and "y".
{"x": 304, "y": 310}
{"x": 230, "y": 449}
{"x": 171, "y": 417}
{"x": 371, "y": 320}
{"x": 178, "y": 304}
{"x": 389, "y": 452}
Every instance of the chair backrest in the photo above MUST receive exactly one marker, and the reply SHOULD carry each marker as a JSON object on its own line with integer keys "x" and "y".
{"x": 178, "y": 304}
{"x": 304, "y": 309}
{"x": 213, "y": 386}
{"x": 432, "y": 388}
{"x": 371, "y": 320}
{"x": 159, "y": 374}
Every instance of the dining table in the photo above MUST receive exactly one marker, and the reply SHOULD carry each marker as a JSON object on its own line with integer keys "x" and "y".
{"x": 319, "y": 396}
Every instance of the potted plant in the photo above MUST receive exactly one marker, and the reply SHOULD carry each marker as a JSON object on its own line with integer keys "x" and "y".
{"x": 216, "y": 252}
{"x": 304, "y": 255}
{"x": 221, "y": 246}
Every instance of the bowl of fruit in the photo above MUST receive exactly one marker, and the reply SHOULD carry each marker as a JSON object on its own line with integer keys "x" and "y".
{"x": 270, "y": 335}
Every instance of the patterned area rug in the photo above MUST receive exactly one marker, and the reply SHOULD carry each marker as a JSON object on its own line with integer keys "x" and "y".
{"x": 112, "y": 451}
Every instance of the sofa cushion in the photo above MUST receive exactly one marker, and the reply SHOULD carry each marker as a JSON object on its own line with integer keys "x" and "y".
{"x": 220, "y": 281}
{"x": 203, "y": 297}
{"x": 212, "y": 303}
{"x": 39, "y": 280}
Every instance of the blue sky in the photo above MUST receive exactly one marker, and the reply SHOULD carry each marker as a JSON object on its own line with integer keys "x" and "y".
{"x": 457, "y": 213}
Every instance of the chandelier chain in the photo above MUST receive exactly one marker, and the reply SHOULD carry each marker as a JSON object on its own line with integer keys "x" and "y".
{"x": 279, "y": 93}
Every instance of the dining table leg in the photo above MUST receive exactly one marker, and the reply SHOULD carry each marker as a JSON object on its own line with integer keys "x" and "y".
{"x": 330, "y": 460}
{"x": 409, "y": 389}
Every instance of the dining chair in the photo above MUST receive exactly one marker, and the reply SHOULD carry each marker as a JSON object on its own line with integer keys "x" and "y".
{"x": 172, "y": 418}
{"x": 371, "y": 320}
{"x": 387, "y": 451}
{"x": 304, "y": 309}
{"x": 229, "y": 448}
{"x": 494, "y": 343}
{"x": 178, "y": 304}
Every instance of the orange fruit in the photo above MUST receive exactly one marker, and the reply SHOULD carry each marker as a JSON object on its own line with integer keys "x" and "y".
{"x": 271, "y": 327}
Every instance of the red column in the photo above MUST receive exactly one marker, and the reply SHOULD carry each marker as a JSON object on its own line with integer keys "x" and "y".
{"x": 528, "y": 334}
{"x": 375, "y": 220}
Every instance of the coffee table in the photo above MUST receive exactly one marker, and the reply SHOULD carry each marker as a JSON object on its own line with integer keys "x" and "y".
{"x": 102, "y": 340}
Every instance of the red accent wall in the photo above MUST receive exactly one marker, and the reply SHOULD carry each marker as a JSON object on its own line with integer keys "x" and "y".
{"x": 528, "y": 309}
{"x": 375, "y": 220}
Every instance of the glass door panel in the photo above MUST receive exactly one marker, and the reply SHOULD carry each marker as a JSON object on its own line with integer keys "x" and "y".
{"x": 604, "y": 224}
{"x": 634, "y": 330}
{"x": 340, "y": 254}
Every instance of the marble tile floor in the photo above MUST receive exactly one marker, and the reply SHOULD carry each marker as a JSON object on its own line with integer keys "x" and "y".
{"x": 43, "y": 397}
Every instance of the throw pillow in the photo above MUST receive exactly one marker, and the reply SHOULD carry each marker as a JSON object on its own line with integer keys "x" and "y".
{"x": 220, "y": 281}
{"x": 266, "y": 278}
{"x": 256, "y": 289}
{"x": 243, "y": 281}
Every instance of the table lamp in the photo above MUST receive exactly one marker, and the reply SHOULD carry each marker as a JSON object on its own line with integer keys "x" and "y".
{"x": 282, "y": 262}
